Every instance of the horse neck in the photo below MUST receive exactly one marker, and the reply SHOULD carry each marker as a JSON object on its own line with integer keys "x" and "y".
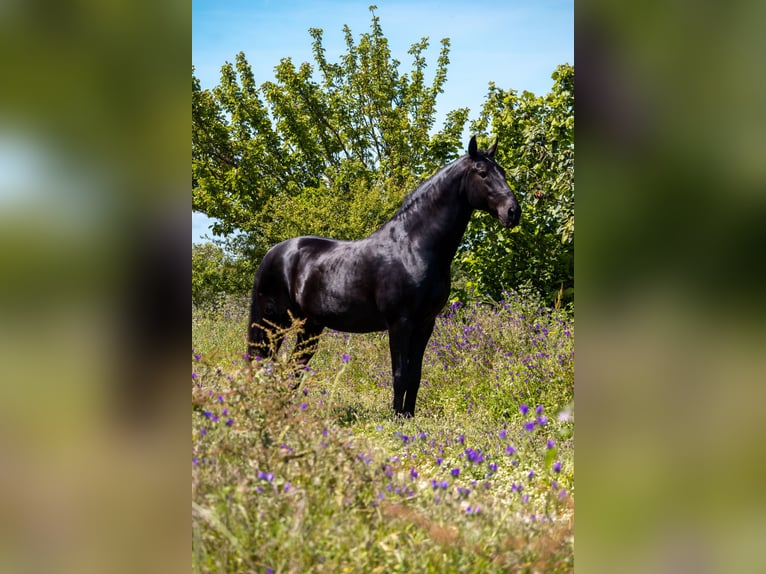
{"x": 434, "y": 218}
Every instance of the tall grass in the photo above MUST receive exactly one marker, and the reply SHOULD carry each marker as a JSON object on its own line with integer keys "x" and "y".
{"x": 325, "y": 479}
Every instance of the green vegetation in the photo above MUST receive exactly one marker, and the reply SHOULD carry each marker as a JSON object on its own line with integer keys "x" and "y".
{"x": 216, "y": 273}
{"x": 332, "y": 148}
{"x": 324, "y": 478}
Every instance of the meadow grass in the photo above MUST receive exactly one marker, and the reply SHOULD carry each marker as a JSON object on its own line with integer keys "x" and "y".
{"x": 324, "y": 478}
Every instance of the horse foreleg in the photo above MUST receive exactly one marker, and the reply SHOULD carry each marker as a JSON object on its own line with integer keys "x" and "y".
{"x": 407, "y": 343}
{"x": 399, "y": 335}
{"x": 418, "y": 341}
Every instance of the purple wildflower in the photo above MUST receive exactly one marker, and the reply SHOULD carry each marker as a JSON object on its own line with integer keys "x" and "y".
{"x": 542, "y": 420}
{"x": 229, "y": 422}
{"x": 194, "y": 376}
{"x": 474, "y": 456}
{"x": 413, "y": 473}
{"x": 557, "y": 466}
{"x": 530, "y": 426}
{"x": 539, "y": 409}
{"x": 524, "y": 409}
{"x": 345, "y": 358}
{"x": 510, "y": 450}
{"x": 197, "y": 357}
{"x": 439, "y": 461}
{"x": 502, "y": 433}
{"x": 550, "y": 443}
{"x": 531, "y": 474}
{"x": 493, "y": 467}
{"x": 455, "y": 472}
{"x": 304, "y": 406}
{"x": 515, "y": 487}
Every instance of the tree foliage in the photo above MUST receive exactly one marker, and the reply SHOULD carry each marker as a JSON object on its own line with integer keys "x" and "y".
{"x": 331, "y": 148}
{"x": 216, "y": 273}
{"x": 536, "y": 145}
{"x": 326, "y": 149}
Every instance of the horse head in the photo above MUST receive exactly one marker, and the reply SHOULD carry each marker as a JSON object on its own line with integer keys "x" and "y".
{"x": 486, "y": 187}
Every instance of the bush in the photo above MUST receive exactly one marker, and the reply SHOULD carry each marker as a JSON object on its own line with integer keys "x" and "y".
{"x": 215, "y": 274}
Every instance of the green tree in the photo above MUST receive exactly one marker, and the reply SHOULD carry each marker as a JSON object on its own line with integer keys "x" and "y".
{"x": 326, "y": 149}
{"x": 536, "y": 146}
{"x": 215, "y": 273}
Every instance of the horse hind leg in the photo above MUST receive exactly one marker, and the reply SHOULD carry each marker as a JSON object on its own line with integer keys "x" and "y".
{"x": 259, "y": 344}
{"x": 306, "y": 344}
{"x": 263, "y": 333}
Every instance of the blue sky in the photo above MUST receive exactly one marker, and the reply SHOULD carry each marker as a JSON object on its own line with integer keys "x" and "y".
{"x": 516, "y": 44}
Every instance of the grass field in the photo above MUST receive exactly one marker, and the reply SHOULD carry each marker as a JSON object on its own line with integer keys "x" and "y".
{"x": 325, "y": 479}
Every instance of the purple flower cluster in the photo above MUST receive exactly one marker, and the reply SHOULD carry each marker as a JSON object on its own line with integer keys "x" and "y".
{"x": 474, "y": 456}
{"x": 214, "y": 417}
{"x": 540, "y": 420}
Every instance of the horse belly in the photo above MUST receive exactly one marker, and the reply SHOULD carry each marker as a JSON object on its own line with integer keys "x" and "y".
{"x": 341, "y": 299}
{"x": 359, "y": 320}
{"x": 343, "y": 312}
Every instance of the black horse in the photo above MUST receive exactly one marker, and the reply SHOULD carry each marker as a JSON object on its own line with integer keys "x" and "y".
{"x": 398, "y": 278}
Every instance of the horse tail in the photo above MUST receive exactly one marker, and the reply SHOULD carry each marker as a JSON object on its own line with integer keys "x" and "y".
{"x": 268, "y": 306}
{"x": 257, "y": 338}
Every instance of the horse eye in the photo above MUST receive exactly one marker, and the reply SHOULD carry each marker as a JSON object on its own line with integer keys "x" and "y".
{"x": 483, "y": 173}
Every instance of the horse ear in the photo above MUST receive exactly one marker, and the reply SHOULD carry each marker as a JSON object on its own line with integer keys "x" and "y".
{"x": 473, "y": 148}
{"x": 491, "y": 151}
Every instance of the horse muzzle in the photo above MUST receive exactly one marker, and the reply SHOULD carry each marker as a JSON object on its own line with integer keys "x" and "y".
{"x": 510, "y": 216}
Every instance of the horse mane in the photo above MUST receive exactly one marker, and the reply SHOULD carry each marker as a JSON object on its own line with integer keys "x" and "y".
{"x": 423, "y": 192}
{"x": 421, "y": 195}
